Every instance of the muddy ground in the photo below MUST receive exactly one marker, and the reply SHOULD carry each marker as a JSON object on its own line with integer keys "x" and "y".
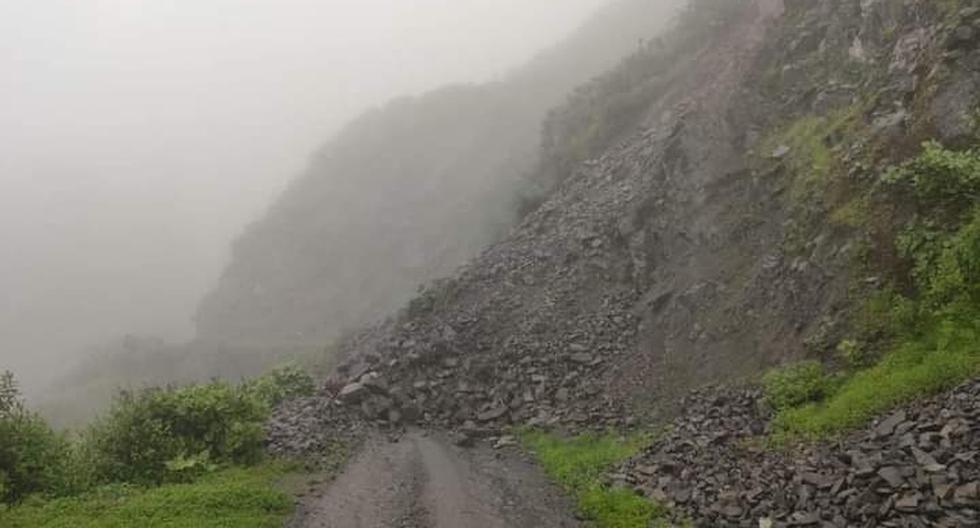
{"x": 423, "y": 481}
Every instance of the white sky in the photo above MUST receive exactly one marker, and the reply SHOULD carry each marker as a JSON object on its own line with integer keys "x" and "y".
{"x": 137, "y": 137}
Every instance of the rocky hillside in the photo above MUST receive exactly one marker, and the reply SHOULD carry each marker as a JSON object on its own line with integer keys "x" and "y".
{"x": 617, "y": 278}
{"x": 404, "y": 195}
{"x": 914, "y": 467}
{"x": 723, "y": 202}
{"x": 713, "y": 242}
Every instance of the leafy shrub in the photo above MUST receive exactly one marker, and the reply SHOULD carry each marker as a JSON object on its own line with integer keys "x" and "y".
{"x": 853, "y": 353}
{"x": 33, "y": 457}
{"x": 795, "y": 385}
{"x": 940, "y": 176}
{"x": 174, "y": 434}
{"x": 190, "y": 468}
{"x": 945, "y": 264}
{"x": 280, "y": 384}
{"x": 146, "y": 430}
{"x": 883, "y": 315}
{"x": 934, "y": 333}
{"x": 951, "y": 284}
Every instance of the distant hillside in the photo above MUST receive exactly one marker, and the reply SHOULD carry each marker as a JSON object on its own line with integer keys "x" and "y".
{"x": 404, "y": 195}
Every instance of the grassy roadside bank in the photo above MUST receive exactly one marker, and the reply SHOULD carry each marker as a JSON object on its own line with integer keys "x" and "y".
{"x": 578, "y": 464}
{"x": 248, "y": 497}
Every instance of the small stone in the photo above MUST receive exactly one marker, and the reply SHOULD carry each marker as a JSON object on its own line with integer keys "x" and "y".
{"x": 462, "y": 440}
{"x": 582, "y": 358}
{"x": 927, "y": 461}
{"x": 375, "y": 383}
{"x": 968, "y": 13}
{"x": 908, "y": 503}
{"x": 505, "y": 441}
{"x": 892, "y": 475}
{"x": 820, "y": 481}
{"x": 967, "y": 493}
{"x": 646, "y": 470}
{"x": 681, "y": 495}
{"x": 804, "y": 518}
{"x": 780, "y": 152}
{"x": 353, "y": 393}
{"x": 887, "y": 426}
{"x": 492, "y": 414}
{"x": 942, "y": 491}
{"x": 964, "y": 34}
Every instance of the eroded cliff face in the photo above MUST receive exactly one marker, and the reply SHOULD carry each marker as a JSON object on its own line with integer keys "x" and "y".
{"x": 718, "y": 238}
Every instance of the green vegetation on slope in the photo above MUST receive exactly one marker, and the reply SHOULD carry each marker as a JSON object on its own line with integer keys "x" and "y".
{"x": 231, "y": 498}
{"x": 932, "y": 334}
{"x": 812, "y": 158}
{"x": 795, "y": 385}
{"x": 915, "y": 369}
{"x": 578, "y": 465}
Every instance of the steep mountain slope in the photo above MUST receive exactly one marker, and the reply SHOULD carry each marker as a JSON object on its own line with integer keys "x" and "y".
{"x": 602, "y": 285}
{"x": 723, "y": 202}
{"x": 717, "y": 240}
{"x": 404, "y": 195}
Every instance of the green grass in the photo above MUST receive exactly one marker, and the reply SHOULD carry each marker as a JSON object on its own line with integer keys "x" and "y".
{"x": 578, "y": 464}
{"x": 853, "y": 213}
{"x": 232, "y": 498}
{"x": 811, "y": 159}
{"x": 915, "y": 369}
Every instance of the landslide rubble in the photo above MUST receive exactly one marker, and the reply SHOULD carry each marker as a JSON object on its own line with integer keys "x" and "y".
{"x": 542, "y": 327}
{"x": 686, "y": 255}
{"x": 915, "y": 467}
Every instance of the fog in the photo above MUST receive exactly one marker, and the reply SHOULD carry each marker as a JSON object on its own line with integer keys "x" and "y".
{"x": 139, "y": 137}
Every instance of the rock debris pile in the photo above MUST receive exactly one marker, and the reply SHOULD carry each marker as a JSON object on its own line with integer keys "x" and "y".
{"x": 661, "y": 265}
{"x": 916, "y": 467}
{"x": 313, "y": 428}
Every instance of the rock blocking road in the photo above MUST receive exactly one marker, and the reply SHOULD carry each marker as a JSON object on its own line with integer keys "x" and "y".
{"x": 422, "y": 481}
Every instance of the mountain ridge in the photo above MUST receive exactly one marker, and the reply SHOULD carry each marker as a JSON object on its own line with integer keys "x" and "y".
{"x": 404, "y": 195}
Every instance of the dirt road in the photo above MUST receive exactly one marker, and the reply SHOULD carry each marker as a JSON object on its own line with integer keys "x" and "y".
{"x": 422, "y": 481}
